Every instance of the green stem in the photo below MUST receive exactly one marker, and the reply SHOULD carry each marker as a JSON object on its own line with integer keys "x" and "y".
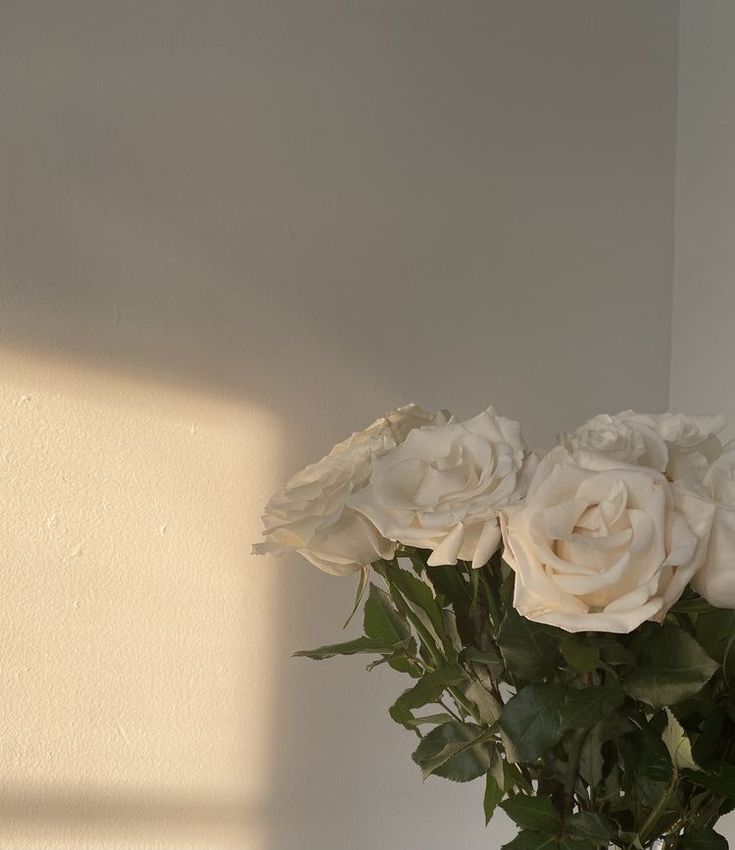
{"x": 707, "y": 813}
{"x": 424, "y": 635}
{"x": 492, "y": 603}
{"x": 426, "y": 638}
{"x": 449, "y": 710}
{"x": 710, "y": 810}
{"x": 464, "y": 704}
{"x": 576, "y": 743}
{"x": 656, "y": 812}
{"x": 579, "y": 736}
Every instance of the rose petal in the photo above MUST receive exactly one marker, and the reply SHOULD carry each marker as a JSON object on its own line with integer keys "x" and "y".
{"x": 487, "y": 545}
{"x": 447, "y": 552}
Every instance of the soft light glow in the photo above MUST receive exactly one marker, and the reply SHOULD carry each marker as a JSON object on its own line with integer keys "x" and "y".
{"x": 136, "y": 632}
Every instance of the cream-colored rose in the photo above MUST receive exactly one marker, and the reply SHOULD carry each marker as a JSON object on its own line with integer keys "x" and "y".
{"x": 442, "y": 489}
{"x": 673, "y": 443}
{"x": 310, "y": 514}
{"x": 691, "y": 441}
{"x": 716, "y": 579}
{"x": 396, "y": 425}
{"x": 626, "y": 437}
{"x": 602, "y": 549}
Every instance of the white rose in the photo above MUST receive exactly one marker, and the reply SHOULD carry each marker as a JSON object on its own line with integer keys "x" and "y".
{"x": 396, "y": 425}
{"x": 716, "y": 579}
{"x": 442, "y": 489}
{"x": 602, "y": 549}
{"x": 310, "y": 514}
{"x": 673, "y": 443}
{"x": 627, "y": 437}
{"x": 691, "y": 441}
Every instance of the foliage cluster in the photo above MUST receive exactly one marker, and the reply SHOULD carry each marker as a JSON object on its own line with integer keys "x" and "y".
{"x": 585, "y": 740}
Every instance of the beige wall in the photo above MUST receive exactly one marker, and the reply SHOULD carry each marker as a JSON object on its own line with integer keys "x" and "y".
{"x": 703, "y": 342}
{"x": 704, "y": 288}
{"x": 230, "y": 233}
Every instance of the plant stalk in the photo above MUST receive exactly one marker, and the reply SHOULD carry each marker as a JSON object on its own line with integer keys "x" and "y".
{"x": 657, "y": 811}
{"x": 579, "y": 736}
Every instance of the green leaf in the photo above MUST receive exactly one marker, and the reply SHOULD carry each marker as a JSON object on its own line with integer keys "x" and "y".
{"x": 716, "y": 633}
{"x": 405, "y": 663}
{"x": 429, "y": 720}
{"x": 644, "y": 754}
{"x": 530, "y": 840}
{"x": 720, "y": 778}
{"x": 513, "y": 778}
{"x": 418, "y": 593}
{"x": 488, "y": 707}
{"x": 703, "y": 839}
{"x": 647, "y": 765}
{"x": 493, "y": 796}
{"x": 382, "y": 621}
{"x": 532, "y": 720}
{"x": 654, "y": 794}
{"x": 691, "y": 603}
{"x": 614, "y": 655}
{"x": 609, "y": 790}
{"x": 591, "y": 826}
{"x": 592, "y": 764}
{"x": 351, "y": 647}
{"x": 534, "y": 813}
{"x": 710, "y": 734}
{"x": 361, "y": 587}
{"x": 671, "y": 666}
{"x": 439, "y": 760}
{"x": 529, "y": 649}
{"x": 583, "y": 707}
{"x": 448, "y": 582}
{"x": 453, "y": 643}
{"x": 583, "y": 658}
{"x": 489, "y": 658}
{"x": 428, "y": 689}
{"x": 591, "y": 759}
{"x": 475, "y": 585}
{"x": 678, "y": 744}
{"x": 654, "y": 762}
{"x": 457, "y": 751}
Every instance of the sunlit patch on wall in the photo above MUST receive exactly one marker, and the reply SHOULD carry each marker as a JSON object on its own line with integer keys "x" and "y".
{"x": 136, "y": 631}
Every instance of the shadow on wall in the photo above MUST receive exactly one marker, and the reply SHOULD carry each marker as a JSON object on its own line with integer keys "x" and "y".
{"x": 339, "y": 209}
{"x": 64, "y": 809}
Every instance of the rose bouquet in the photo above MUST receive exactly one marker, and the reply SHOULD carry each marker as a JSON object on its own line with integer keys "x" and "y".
{"x": 565, "y": 619}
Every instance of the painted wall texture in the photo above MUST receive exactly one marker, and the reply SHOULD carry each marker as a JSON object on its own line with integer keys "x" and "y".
{"x": 704, "y": 289}
{"x": 230, "y": 234}
{"x": 138, "y": 660}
